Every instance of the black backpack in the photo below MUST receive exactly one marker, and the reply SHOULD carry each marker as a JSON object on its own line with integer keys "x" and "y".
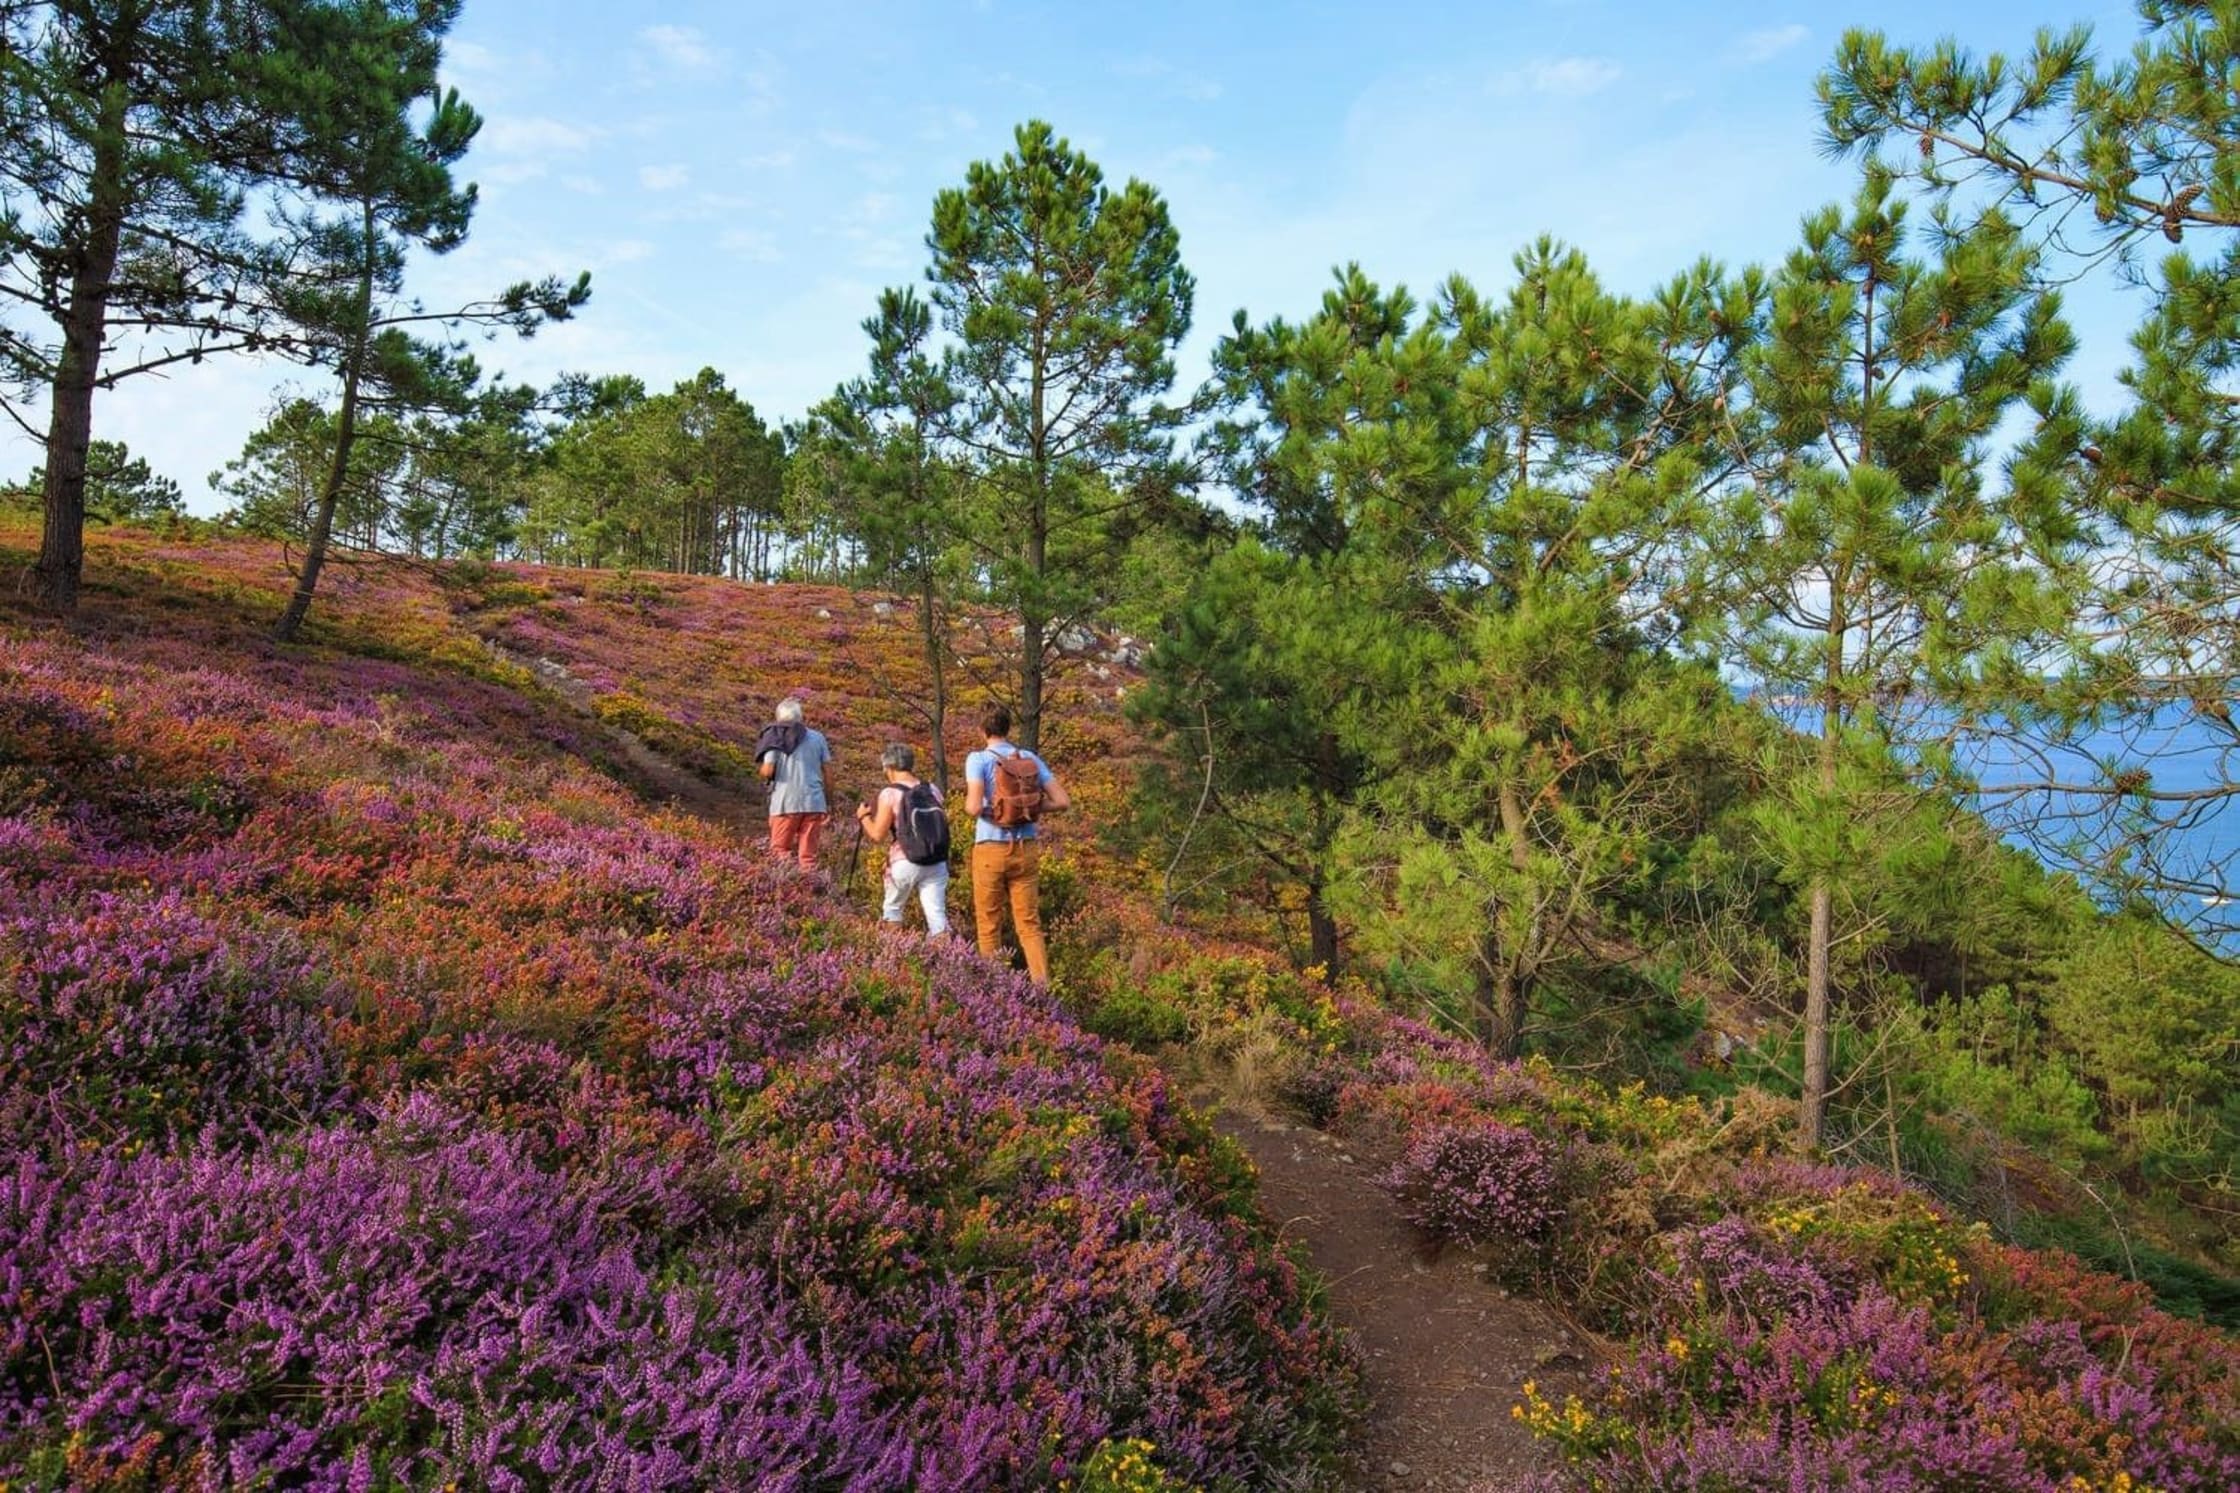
{"x": 921, "y": 826}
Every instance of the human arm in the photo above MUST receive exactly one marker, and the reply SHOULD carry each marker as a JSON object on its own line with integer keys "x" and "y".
{"x": 1054, "y": 795}
{"x": 878, "y": 823}
{"x": 767, "y": 765}
{"x": 975, "y": 792}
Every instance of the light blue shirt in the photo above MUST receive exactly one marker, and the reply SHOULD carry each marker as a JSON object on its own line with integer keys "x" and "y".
{"x": 980, "y": 767}
{"x": 797, "y": 787}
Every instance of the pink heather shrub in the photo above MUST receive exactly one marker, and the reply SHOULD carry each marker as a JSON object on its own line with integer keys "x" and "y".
{"x": 1800, "y": 1326}
{"x": 139, "y": 1017}
{"x": 390, "y": 1101}
{"x": 418, "y": 1301}
{"x": 1872, "y": 1394}
{"x": 1482, "y": 1183}
{"x": 1741, "y": 1274}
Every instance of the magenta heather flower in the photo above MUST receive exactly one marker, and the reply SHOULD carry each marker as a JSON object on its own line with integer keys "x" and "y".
{"x": 1479, "y": 1183}
{"x": 141, "y": 1014}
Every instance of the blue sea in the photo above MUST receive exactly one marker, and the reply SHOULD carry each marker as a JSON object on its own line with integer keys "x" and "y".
{"x": 2179, "y": 834}
{"x": 2176, "y": 842}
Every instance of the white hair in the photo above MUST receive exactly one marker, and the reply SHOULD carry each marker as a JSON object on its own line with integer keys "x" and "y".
{"x": 789, "y": 710}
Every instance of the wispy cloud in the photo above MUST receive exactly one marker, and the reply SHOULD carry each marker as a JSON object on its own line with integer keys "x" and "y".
{"x": 872, "y": 230}
{"x": 1560, "y": 77}
{"x": 1764, "y": 46}
{"x": 844, "y": 140}
{"x": 663, "y": 178}
{"x": 944, "y": 124}
{"x": 683, "y": 48}
{"x": 873, "y": 207}
{"x": 529, "y": 135}
{"x": 753, "y": 244}
{"x": 1165, "y": 77}
{"x": 519, "y": 148}
{"x": 622, "y": 251}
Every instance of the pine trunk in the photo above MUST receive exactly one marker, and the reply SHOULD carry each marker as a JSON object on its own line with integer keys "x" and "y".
{"x": 1500, "y": 999}
{"x": 1812, "y": 1106}
{"x": 62, "y": 543}
{"x": 1322, "y": 931}
{"x": 937, "y": 710}
{"x": 345, "y": 434}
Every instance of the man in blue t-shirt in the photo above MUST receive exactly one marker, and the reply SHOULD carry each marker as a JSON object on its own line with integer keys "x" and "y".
{"x": 797, "y": 763}
{"x": 1004, "y": 805}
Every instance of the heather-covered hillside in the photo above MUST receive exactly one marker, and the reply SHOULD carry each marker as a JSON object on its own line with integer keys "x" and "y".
{"x": 392, "y": 1099}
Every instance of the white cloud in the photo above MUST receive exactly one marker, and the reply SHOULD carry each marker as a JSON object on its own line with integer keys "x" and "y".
{"x": 468, "y": 59}
{"x": 753, "y": 244}
{"x": 511, "y": 173}
{"x": 870, "y": 227}
{"x": 663, "y": 178}
{"x": 1168, "y": 78}
{"x": 531, "y": 137}
{"x": 760, "y": 86}
{"x": 780, "y": 159}
{"x": 1562, "y": 77}
{"x": 1764, "y": 46}
{"x": 873, "y": 207}
{"x": 492, "y": 74}
{"x": 844, "y": 140}
{"x": 942, "y": 125}
{"x": 522, "y": 147}
{"x": 683, "y": 48}
{"x": 1192, "y": 156}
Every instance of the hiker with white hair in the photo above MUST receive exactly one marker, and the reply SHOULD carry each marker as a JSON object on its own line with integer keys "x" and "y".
{"x": 796, "y": 761}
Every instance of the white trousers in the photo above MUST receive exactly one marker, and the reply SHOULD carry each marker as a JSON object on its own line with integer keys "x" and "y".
{"x": 931, "y": 883}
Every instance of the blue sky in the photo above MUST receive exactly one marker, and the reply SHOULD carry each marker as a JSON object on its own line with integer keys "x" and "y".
{"x": 742, "y": 179}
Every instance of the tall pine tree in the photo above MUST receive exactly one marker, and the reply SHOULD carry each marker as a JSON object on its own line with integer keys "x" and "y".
{"x": 130, "y": 131}
{"x": 1066, "y": 298}
{"x": 379, "y": 186}
{"x": 1865, "y": 564}
{"x": 2124, "y": 156}
{"x": 903, "y": 493}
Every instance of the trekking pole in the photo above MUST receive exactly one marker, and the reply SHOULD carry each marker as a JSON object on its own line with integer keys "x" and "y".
{"x": 855, "y": 854}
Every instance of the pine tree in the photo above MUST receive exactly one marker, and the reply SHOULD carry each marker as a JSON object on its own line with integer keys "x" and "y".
{"x": 1864, "y": 565}
{"x": 121, "y": 487}
{"x": 2114, "y": 157}
{"x": 1066, "y": 299}
{"x": 1289, "y": 651}
{"x": 901, "y": 494}
{"x": 130, "y": 131}
{"x": 1591, "y": 428}
{"x": 379, "y": 185}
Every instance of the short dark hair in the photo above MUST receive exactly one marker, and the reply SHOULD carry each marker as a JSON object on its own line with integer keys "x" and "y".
{"x": 997, "y": 722}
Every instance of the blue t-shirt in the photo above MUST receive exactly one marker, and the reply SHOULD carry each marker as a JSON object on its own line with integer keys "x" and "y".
{"x": 980, "y": 767}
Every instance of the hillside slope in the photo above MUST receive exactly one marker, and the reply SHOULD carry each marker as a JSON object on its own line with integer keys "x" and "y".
{"x": 884, "y": 1205}
{"x": 390, "y": 1099}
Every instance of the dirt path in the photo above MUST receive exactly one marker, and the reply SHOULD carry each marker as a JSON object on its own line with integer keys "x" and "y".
{"x": 1444, "y": 1353}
